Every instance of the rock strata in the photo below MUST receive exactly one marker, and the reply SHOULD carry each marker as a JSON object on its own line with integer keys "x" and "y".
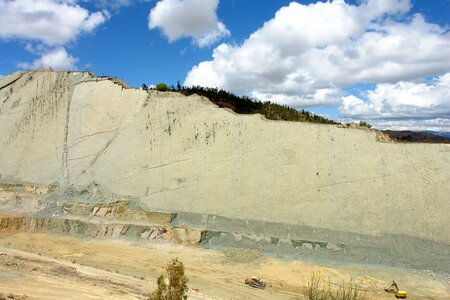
{"x": 184, "y": 155}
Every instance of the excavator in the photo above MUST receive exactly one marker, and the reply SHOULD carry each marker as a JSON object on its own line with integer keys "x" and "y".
{"x": 394, "y": 289}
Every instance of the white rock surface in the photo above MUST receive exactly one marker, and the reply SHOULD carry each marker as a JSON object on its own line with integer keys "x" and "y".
{"x": 181, "y": 153}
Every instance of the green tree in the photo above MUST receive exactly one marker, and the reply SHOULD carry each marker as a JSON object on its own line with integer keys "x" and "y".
{"x": 172, "y": 285}
{"x": 162, "y": 87}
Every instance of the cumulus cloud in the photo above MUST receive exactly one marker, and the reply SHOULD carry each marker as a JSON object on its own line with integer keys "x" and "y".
{"x": 58, "y": 59}
{"x": 404, "y": 105}
{"x": 306, "y": 54}
{"x": 325, "y": 97}
{"x": 49, "y": 21}
{"x": 46, "y": 25}
{"x": 188, "y": 18}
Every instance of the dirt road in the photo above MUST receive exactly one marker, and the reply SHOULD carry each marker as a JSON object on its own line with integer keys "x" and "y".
{"x": 46, "y": 266}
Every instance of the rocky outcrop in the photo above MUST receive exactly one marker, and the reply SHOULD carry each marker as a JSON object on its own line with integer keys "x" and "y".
{"x": 185, "y": 155}
{"x": 96, "y": 228}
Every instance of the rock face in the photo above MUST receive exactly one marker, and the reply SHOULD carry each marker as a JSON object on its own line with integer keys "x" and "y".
{"x": 183, "y": 154}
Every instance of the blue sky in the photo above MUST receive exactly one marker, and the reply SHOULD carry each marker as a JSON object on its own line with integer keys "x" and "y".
{"x": 385, "y": 61}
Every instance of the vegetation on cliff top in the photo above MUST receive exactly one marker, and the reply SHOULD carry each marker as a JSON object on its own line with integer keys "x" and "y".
{"x": 247, "y": 105}
{"x": 274, "y": 111}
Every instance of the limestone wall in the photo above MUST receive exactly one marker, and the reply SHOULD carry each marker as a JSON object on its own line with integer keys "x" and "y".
{"x": 33, "y": 109}
{"x": 184, "y": 154}
{"x": 98, "y": 112}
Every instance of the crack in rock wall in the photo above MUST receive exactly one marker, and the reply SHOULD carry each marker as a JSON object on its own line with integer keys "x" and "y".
{"x": 184, "y": 154}
{"x": 92, "y": 127}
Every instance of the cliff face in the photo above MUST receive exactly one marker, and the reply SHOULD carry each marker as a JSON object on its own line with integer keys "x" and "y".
{"x": 184, "y": 154}
{"x": 33, "y": 113}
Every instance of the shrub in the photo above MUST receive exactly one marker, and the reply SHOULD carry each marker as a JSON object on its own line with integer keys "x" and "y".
{"x": 347, "y": 291}
{"x": 365, "y": 124}
{"x": 162, "y": 87}
{"x": 172, "y": 285}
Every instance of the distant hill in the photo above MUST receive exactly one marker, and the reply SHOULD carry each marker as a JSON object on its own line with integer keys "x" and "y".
{"x": 417, "y": 137}
{"x": 440, "y": 133}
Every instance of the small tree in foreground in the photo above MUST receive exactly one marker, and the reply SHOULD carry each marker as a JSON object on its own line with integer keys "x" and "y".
{"x": 172, "y": 285}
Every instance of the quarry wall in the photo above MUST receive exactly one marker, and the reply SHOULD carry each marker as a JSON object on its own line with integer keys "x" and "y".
{"x": 184, "y": 154}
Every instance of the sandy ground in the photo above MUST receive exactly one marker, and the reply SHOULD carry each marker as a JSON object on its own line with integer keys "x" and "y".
{"x": 46, "y": 266}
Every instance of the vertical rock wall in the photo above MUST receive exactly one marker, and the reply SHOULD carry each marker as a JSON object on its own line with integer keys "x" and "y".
{"x": 184, "y": 154}
{"x": 33, "y": 110}
{"x": 97, "y": 114}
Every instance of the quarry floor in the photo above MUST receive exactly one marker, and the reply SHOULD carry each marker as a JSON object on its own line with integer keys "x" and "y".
{"x": 50, "y": 266}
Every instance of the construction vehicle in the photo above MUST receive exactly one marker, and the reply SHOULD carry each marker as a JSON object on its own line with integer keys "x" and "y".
{"x": 394, "y": 289}
{"x": 255, "y": 282}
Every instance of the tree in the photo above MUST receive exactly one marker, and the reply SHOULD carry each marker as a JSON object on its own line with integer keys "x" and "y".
{"x": 162, "y": 87}
{"x": 172, "y": 285}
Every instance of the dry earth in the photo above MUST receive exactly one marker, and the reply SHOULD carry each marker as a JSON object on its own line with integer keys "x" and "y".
{"x": 49, "y": 266}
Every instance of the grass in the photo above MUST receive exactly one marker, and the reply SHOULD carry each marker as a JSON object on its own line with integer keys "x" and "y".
{"x": 317, "y": 289}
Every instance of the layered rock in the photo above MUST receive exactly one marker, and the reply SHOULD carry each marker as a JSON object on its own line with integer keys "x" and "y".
{"x": 183, "y": 154}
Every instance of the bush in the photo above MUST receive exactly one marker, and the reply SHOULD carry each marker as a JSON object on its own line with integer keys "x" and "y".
{"x": 172, "y": 286}
{"x": 346, "y": 291}
{"x": 162, "y": 87}
{"x": 365, "y": 124}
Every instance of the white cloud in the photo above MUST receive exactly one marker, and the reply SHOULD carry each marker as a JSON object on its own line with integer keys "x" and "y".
{"x": 46, "y": 25}
{"x": 188, "y": 18}
{"x": 52, "y": 22}
{"x": 404, "y": 105}
{"x": 113, "y": 4}
{"x": 306, "y": 54}
{"x": 325, "y": 97}
{"x": 58, "y": 59}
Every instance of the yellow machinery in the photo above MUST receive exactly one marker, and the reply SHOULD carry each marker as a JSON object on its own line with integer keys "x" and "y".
{"x": 400, "y": 294}
{"x": 394, "y": 289}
